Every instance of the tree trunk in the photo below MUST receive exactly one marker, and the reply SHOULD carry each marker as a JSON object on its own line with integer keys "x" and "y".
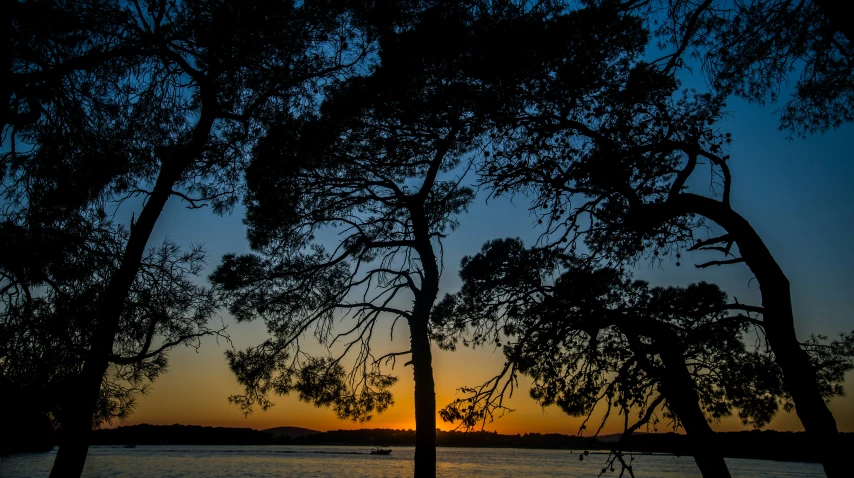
{"x": 11, "y": 8}
{"x": 679, "y": 390}
{"x": 422, "y": 358}
{"x": 77, "y": 422}
{"x": 701, "y": 437}
{"x": 778, "y": 320}
{"x": 799, "y": 375}
{"x": 425, "y": 402}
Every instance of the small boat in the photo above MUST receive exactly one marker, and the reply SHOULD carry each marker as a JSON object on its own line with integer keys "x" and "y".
{"x": 380, "y": 451}
{"x": 130, "y": 446}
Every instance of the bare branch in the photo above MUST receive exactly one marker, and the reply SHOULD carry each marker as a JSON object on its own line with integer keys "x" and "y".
{"x": 719, "y": 263}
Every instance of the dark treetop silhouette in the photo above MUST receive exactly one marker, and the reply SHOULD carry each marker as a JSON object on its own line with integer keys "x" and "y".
{"x": 589, "y": 335}
{"x": 49, "y": 43}
{"x": 153, "y": 99}
{"x": 754, "y": 49}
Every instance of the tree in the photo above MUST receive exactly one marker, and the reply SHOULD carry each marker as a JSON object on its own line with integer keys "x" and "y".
{"x": 377, "y": 166}
{"x": 175, "y": 120}
{"x": 590, "y": 335}
{"x": 51, "y": 281}
{"x": 610, "y": 169}
{"x": 49, "y": 43}
{"x": 751, "y": 48}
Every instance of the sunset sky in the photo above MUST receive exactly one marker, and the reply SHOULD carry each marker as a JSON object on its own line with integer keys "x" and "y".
{"x": 796, "y": 193}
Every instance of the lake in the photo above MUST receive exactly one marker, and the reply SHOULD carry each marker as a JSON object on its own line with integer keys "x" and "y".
{"x": 321, "y": 461}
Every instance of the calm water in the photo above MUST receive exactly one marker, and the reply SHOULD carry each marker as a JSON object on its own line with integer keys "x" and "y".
{"x": 267, "y": 461}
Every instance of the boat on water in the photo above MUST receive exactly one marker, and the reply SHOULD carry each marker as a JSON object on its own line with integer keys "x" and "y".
{"x": 130, "y": 446}
{"x": 381, "y": 451}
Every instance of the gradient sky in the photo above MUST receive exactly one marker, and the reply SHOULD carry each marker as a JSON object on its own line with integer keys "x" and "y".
{"x": 796, "y": 193}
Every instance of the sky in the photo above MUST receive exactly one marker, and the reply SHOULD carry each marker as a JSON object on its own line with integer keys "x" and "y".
{"x": 795, "y": 192}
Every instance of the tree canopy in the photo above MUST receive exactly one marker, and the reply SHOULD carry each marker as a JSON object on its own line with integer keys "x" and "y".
{"x": 593, "y": 339}
{"x": 142, "y": 102}
{"x": 47, "y": 305}
{"x": 756, "y": 49}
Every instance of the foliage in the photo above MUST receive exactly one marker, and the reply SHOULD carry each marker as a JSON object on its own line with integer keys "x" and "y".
{"x": 595, "y": 135}
{"x": 755, "y": 48}
{"x": 195, "y": 76}
{"x": 110, "y": 103}
{"x": 593, "y": 335}
{"x": 595, "y": 161}
{"x": 46, "y": 323}
{"x": 610, "y": 180}
{"x": 370, "y": 167}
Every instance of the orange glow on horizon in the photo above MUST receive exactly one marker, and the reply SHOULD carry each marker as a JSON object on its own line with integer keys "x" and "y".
{"x": 195, "y": 392}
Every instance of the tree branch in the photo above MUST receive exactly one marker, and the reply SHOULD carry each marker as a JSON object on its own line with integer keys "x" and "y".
{"x": 719, "y": 263}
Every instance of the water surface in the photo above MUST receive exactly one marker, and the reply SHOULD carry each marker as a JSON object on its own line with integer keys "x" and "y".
{"x": 346, "y": 461}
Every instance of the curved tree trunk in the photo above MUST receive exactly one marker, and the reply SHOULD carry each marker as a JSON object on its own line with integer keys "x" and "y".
{"x": 680, "y": 392}
{"x": 702, "y": 439}
{"x": 77, "y": 422}
{"x": 422, "y": 358}
{"x": 778, "y": 320}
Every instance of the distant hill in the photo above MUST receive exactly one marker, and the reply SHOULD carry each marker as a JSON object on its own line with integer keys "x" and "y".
{"x": 290, "y": 432}
{"x": 180, "y": 435}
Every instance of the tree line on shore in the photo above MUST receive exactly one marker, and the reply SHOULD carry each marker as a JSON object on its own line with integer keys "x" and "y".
{"x": 383, "y": 122}
{"x": 765, "y": 444}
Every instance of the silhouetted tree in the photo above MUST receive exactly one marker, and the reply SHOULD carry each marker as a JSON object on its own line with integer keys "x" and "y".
{"x": 753, "y": 48}
{"x": 377, "y": 166}
{"x": 381, "y": 166}
{"x": 609, "y": 170}
{"x": 51, "y": 281}
{"x": 49, "y": 43}
{"x": 174, "y": 120}
{"x": 590, "y": 335}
